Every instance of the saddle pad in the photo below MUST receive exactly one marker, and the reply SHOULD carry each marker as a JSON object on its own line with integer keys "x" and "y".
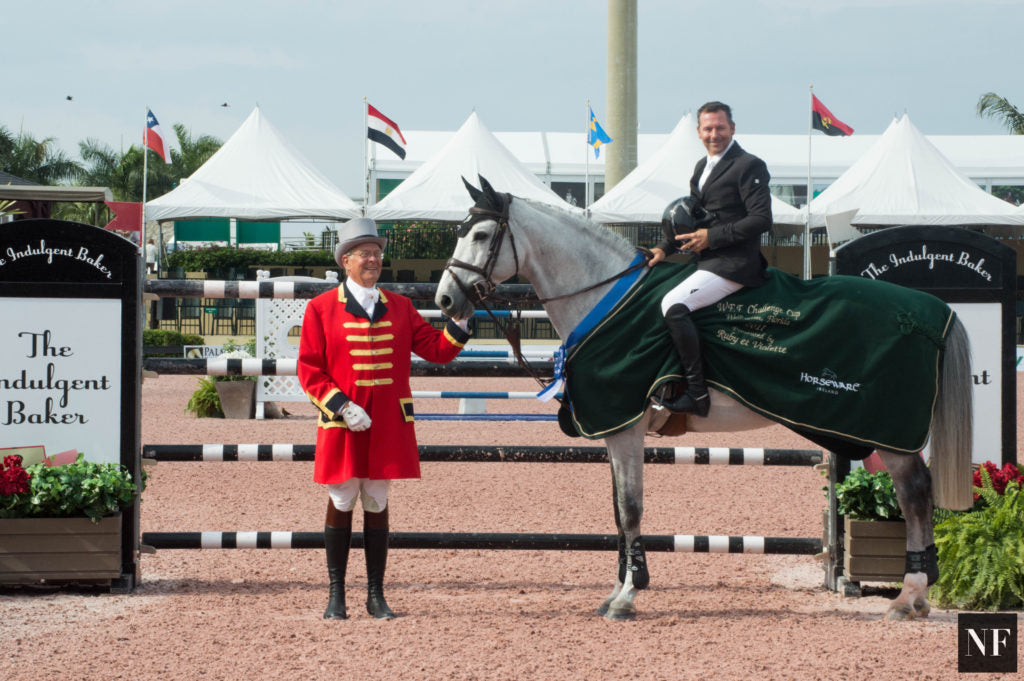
{"x": 845, "y": 357}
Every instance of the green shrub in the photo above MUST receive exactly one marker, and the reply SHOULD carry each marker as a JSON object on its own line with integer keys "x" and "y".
{"x": 221, "y": 257}
{"x": 982, "y": 553}
{"x": 152, "y": 337}
{"x": 82, "y": 488}
{"x": 868, "y": 496}
{"x": 205, "y": 402}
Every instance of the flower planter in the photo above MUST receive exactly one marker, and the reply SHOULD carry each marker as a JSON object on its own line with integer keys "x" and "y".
{"x": 237, "y": 398}
{"x": 34, "y": 550}
{"x": 874, "y": 550}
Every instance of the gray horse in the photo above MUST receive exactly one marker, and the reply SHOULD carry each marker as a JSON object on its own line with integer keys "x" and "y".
{"x": 564, "y": 255}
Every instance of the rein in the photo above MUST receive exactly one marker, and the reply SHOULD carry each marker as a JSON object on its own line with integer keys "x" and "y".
{"x": 481, "y": 290}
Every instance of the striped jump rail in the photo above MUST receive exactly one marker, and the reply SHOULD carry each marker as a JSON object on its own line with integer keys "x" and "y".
{"x": 678, "y": 543}
{"x": 287, "y": 290}
{"x": 471, "y": 395}
{"x": 735, "y": 456}
{"x": 217, "y": 366}
{"x": 486, "y": 416}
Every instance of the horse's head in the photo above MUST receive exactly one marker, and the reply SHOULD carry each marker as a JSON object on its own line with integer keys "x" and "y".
{"x": 479, "y": 262}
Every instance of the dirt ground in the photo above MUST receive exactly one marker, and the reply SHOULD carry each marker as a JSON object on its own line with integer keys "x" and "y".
{"x": 480, "y": 615}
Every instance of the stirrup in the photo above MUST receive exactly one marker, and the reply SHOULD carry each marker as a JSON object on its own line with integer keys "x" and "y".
{"x": 686, "y": 404}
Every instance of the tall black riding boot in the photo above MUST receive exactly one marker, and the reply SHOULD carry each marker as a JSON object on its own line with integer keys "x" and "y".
{"x": 687, "y": 341}
{"x": 337, "y": 541}
{"x": 375, "y": 541}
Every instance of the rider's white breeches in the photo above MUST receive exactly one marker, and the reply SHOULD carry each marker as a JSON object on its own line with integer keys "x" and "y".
{"x": 374, "y": 494}
{"x": 698, "y": 290}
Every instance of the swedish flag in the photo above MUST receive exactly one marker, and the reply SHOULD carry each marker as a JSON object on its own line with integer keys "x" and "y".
{"x": 596, "y": 136}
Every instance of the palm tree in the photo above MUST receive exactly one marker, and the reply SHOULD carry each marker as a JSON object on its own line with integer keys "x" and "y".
{"x": 36, "y": 160}
{"x": 194, "y": 151}
{"x": 104, "y": 167}
{"x": 991, "y": 105}
{"x": 7, "y": 144}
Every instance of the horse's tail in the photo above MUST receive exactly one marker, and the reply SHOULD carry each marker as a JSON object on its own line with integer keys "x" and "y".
{"x": 951, "y": 438}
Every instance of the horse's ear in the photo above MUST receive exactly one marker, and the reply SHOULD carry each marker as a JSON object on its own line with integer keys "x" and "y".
{"x": 486, "y": 186}
{"x": 474, "y": 193}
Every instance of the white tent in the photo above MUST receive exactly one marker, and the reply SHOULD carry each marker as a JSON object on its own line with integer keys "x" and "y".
{"x": 904, "y": 179}
{"x": 255, "y": 175}
{"x": 644, "y": 193}
{"x": 434, "y": 191}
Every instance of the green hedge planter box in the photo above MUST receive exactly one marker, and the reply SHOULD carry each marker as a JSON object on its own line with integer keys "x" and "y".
{"x": 34, "y": 550}
{"x": 874, "y": 550}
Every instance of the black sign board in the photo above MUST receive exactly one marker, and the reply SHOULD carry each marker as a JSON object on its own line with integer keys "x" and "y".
{"x": 72, "y": 345}
{"x": 977, "y": 276}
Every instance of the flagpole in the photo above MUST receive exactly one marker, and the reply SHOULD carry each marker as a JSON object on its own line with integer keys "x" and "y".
{"x": 586, "y": 186}
{"x": 145, "y": 177}
{"x": 810, "y": 190}
{"x": 366, "y": 171}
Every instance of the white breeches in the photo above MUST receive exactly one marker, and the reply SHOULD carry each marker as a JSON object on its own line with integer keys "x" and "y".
{"x": 698, "y": 290}
{"x": 374, "y": 494}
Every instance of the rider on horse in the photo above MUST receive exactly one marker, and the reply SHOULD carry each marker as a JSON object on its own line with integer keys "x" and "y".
{"x": 722, "y": 220}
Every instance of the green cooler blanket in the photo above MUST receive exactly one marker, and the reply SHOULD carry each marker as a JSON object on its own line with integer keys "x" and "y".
{"x": 846, "y": 358}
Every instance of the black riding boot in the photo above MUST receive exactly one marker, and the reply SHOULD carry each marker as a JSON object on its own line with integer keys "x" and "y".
{"x": 375, "y": 541}
{"x": 684, "y": 335}
{"x": 337, "y": 541}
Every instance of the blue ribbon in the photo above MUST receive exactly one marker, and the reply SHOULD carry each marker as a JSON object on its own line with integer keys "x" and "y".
{"x": 596, "y": 314}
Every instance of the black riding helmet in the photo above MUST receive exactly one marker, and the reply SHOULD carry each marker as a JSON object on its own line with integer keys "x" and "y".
{"x": 681, "y": 216}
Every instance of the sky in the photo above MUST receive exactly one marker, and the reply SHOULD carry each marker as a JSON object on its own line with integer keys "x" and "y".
{"x": 522, "y": 65}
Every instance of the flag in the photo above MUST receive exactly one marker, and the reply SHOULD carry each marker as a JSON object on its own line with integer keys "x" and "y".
{"x": 822, "y": 119}
{"x": 383, "y": 130}
{"x": 154, "y": 138}
{"x": 127, "y": 216}
{"x": 596, "y": 136}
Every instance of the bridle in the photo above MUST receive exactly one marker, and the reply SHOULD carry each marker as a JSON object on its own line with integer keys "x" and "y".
{"x": 482, "y": 290}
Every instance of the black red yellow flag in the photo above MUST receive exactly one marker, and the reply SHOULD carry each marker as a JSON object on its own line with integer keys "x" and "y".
{"x": 822, "y": 119}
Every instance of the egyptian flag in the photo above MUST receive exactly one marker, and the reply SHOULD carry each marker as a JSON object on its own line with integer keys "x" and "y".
{"x": 383, "y": 130}
{"x": 155, "y": 138}
{"x": 822, "y": 119}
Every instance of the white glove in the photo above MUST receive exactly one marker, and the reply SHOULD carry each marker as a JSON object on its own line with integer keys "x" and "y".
{"x": 355, "y": 417}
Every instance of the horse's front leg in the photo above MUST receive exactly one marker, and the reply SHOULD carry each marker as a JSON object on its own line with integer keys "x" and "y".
{"x": 625, "y": 452}
{"x": 913, "y": 483}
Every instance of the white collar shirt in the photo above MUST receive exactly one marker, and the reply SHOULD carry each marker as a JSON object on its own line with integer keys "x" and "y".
{"x": 712, "y": 162}
{"x": 367, "y": 297}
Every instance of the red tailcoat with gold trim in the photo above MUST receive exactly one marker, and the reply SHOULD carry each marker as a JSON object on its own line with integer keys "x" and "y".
{"x": 344, "y": 355}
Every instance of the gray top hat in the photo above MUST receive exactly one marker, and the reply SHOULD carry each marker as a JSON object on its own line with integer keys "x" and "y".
{"x": 354, "y": 232}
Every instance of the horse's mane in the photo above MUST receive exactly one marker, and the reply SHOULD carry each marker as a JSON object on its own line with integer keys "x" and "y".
{"x": 594, "y": 231}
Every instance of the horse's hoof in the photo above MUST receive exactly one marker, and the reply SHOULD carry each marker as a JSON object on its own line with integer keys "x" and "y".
{"x": 628, "y": 616}
{"x": 620, "y": 614}
{"x": 603, "y": 608}
{"x": 900, "y": 613}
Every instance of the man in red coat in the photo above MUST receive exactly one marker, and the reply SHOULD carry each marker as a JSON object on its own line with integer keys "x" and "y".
{"x": 354, "y": 362}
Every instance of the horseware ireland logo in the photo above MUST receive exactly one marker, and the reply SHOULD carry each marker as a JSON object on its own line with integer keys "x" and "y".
{"x": 828, "y": 382}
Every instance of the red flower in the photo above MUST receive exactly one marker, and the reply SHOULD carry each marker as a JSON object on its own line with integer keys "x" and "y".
{"x": 13, "y": 478}
{"x": 1000, "y": 477}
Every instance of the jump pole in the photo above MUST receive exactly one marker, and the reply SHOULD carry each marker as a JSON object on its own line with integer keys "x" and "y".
{"x": 677, "y": 543}
{"x": 722, "y": 456}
